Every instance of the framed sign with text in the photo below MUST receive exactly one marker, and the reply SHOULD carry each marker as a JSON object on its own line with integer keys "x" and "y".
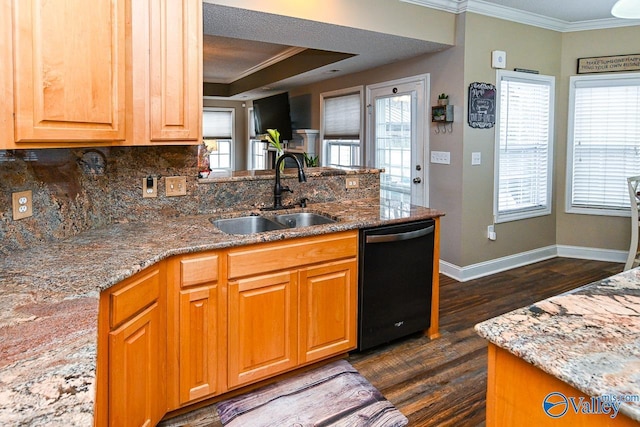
{"x": 608, "y": 64}
{"x": 482, "y": 105}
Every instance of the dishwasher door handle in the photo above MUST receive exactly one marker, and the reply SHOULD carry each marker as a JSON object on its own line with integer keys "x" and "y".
{"x": 384, "y": 238}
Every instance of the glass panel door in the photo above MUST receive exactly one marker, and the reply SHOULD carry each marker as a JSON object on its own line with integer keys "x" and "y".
{"x": 396, "y": 142}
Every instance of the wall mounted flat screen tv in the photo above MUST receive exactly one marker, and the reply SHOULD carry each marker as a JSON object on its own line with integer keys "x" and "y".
{"x": 273, "y": 112}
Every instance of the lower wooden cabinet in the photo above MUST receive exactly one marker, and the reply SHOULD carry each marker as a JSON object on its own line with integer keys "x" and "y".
{"x": 195, "y": 330}
{"x": 198, "y": 325}
{"x": 262, "y": 327}
{"x": 132, "y": 346}
{"x": 290, "y": 303}
{"x": 136, "y": 377}
{"x": 328, "y": 305}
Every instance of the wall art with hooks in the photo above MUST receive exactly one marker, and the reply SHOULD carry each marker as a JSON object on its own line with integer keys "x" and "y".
{"x": 442, "y": 116}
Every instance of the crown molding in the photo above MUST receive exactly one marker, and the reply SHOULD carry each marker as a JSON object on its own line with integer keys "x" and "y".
{"x": 503, "y": 12}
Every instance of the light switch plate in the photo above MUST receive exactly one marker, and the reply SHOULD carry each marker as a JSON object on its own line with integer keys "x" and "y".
{"x": 175, "y": 186}
{"x": 442, "y": 157}
{"x": 476, "y": 158}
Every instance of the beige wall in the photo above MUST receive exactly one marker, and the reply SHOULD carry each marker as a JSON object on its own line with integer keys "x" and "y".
{"x": 594, "y": 231}
{"x": 526, "y": 47}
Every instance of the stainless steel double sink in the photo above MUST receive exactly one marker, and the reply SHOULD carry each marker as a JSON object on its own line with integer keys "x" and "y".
{"x": 258, "y": 223}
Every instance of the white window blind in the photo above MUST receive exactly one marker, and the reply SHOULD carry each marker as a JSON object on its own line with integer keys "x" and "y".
{"x": 341, "y": 128}
{"x": 603, "y": 142}
{"x": 217, "y": 124}
{"x": 342, "y": 117}
{"x": 217, "y": 132}
{"x": 524, "y": 146}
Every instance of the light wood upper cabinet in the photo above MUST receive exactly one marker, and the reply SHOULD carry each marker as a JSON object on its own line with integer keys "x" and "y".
{"x": 166, "y": 99}
{"x": 6, "y": 75}
{"x": 69, "y": 70}
{"x": 100, "y": 72}
{"x": 176, "y": 70}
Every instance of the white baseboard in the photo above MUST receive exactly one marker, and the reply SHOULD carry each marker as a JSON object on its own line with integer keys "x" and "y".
{"x": 610, "y": 255}
{"x": 486, "y": 268}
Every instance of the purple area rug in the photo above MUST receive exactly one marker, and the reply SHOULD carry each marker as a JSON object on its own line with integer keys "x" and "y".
{"x": 332, "y": 395}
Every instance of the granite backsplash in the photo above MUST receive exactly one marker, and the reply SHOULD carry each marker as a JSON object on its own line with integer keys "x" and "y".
{"x": 80, "y": 189}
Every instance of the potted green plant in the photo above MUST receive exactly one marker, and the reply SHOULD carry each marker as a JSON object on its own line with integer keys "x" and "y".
{"x": 310, "y": 161}
{"x": 273, "y": 137}
{"x": 443, "y": 99}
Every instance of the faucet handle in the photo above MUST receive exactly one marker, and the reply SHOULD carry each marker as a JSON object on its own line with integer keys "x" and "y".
{"x": 303, "y": 202}
{"x": 286, "y": 188}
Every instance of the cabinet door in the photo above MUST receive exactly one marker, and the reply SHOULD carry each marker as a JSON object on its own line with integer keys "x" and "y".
{"x": 6, "y": 76}
{"x": 175, "y": 70}
{"x": 69, "y": 70}
{"x": 328, "y": 310}
{"x": 196, "y": 308}
{"x": 198, "y": 343}
{"x": 136, "y": 370}
{"x": 262, "y": 327}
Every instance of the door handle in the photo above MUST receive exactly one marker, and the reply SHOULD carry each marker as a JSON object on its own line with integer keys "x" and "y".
{"x": 407, "y": 235}
{"x": 417, "y": 180}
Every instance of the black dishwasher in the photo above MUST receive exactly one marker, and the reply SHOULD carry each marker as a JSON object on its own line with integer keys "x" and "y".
{"x": 395, "y": 278}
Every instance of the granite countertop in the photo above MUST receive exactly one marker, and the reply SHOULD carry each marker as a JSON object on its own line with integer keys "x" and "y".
{"x": 268, "y": 174}
{"x": 49, "y": 298}
{"x": 589, "y": 337}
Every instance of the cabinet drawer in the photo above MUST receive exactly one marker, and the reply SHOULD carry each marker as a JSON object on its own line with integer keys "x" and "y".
{"x": 134, "y": 295}
{"x": 198, "y": 269}
{"x": 292, "y": 253}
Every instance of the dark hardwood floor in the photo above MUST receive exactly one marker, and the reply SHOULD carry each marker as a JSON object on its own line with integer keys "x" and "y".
{"x": 442, "y": 382}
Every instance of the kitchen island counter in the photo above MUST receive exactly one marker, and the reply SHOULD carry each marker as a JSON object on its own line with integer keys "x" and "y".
{"x": 49, "y": 297}
{"x": 588, "y": 338}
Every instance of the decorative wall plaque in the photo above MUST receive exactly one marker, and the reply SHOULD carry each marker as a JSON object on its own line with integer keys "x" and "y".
{"x": 482, "y": 105}
{"x": 608, "y": 64}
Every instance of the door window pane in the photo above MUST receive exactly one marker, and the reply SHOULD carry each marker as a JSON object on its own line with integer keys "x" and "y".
{"x": 393, "y": 146}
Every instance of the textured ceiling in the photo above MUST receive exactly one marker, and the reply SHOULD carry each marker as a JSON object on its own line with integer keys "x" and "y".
{"x": 370, "y": 49}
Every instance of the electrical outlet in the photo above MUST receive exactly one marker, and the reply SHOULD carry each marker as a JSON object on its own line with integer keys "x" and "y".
{"x": 491, "y": 232}
{"x": 352, "y": 183}
{"x": 175, "y": 186}
{"x": 22, "y": 204}
{"x": 149, "y": 187}
{"x": 442, "y": 157}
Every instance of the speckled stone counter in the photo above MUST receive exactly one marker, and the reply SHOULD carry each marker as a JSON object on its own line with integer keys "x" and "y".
{"x": 589, "y": 338}
{"x": 49, "y": 300}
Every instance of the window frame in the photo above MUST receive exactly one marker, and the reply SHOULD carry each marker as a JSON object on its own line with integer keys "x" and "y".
{"x": 536, "y": 211}
{"x": 231, "y": 139}
{"x": 324, "y": 155}
{"x": 590, "y": 78}
{"x": 252, "y": 142}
